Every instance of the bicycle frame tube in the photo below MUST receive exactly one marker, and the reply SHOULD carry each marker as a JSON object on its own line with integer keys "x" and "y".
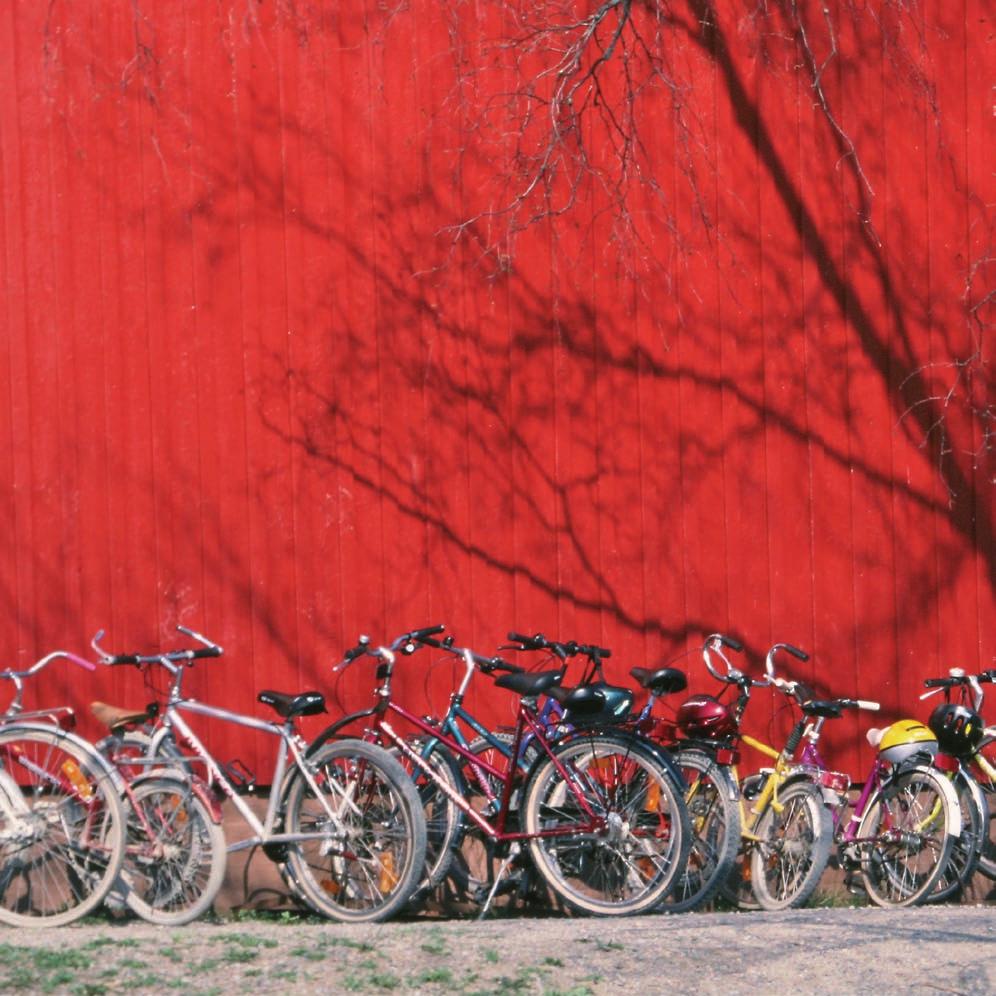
{"x": 263, "y": 831}
{"x": 497, "y": 832}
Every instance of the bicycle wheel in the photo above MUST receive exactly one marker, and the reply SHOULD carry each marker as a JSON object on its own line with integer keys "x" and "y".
{"x": 794, "y": 843}
{"x": 175, "y": 852}
{"x": 736, "y": 887}
{"x": 61, "y": 827}
{"x": 472, "y": 871}
{"x": 714, "y": 810}
{"x": 904, "y": 840}
{"x": 368, "y": 855}
{"x": 443, "y": 819}
{"x": 986, "y": 777}
{"x": 615, "y": 837}
{"x": 967, "y": 848}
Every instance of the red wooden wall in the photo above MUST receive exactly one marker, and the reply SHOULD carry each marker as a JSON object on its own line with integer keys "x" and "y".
{"x": 249, "y": 383}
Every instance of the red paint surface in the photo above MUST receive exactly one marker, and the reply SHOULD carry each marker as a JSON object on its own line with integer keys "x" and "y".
{"x": 245, "y": 385}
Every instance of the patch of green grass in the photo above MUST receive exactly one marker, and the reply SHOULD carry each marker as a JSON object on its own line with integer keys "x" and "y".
{"x": 490, "y": 955}
{"x": 442, "y": 976}
{"x": 826, "y": 900}
{"x": 246, "y": 941}
{"x": 205, "y": 966}
{"x": 98, "y": 942}
{"x": 131, "y": 963}
{"x": 150, "y": 982}
{"x": 384, "y": 980}
{"x": 435, "y": 943}
{"x": 556, "y": 962}
{"x": 601, "y": 945}
{"x": 311, "y": 954}
{"x": 60, "y": 978}
{"x": 47, "y": 960}
{"x": 88, "y": 989}
{"x": 345, "y": 942}
{"x": 352, "y": 984}
{"x": 239, "y": 955}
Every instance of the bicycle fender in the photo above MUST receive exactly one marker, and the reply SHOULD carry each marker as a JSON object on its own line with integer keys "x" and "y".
{"x": 333, "y": 731}
{"x": 107, "y": 769}
{"x": 665, "y": 758}
{"x": 953, "y": 826}
{"x": 197, "y": 787}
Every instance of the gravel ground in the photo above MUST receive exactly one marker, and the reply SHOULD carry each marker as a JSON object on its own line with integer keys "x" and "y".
{"x": 934, "y": 950}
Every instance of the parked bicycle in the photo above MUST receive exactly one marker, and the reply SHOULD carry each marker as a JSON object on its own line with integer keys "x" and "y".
{"x": 61, "y": 817}
{"x": 902, "y": 828}
{"x": 699, "y": 765}
{"x": 961, "y": 732}
{"x": 603, "y": 822}
{"x": 343, "y": 823}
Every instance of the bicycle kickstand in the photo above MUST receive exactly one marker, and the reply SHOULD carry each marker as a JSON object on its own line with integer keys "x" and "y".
{"x": 513, "y": 853}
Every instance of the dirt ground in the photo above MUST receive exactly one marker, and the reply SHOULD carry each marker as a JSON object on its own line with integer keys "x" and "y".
{"x": 863, "y": 950}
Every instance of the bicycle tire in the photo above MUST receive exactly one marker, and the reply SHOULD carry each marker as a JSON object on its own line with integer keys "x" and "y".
{"x": 372, "y": 858}
{"x": 61, "y": 827}
{"x": 631, "y": 864}
{"x": 443, "y": 818}
{"x": 788, "y": 860}
{"x": 904, "y": 838}
{"x": 175, "y": 851}
{"x": 967, "y": 849}
{"x": 472, "y": 870}
{"x": 736, "y": 887}
{"x": 713, "y": 805}
{"x": 987, "y": 859}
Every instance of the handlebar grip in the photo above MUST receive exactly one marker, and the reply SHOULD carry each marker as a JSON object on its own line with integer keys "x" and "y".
{"x": 939, "y": 682}
{"x": 421, "y": 635}
{"x": 498, "y": 664}
{"x": 729, "y": 641}
{"x": 796, "y": 652}
{"x": 519, "y": 638}
{"x": 125, "y": 659}
{"x": 81, "y": 661}
{"x": 205, "y": 652}
{"x": 988, "y": 676}
{"x": 869, "y": 706}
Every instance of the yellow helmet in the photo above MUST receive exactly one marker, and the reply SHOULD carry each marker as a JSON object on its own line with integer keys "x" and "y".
{"x": 904, "y": 739}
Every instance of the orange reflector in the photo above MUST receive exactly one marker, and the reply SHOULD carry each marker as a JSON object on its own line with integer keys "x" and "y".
{"x": 329, "y": 886}
{"x": 653, "y": 798}
{"x": 72, "y": 771}
{"x": 388, "y": 876}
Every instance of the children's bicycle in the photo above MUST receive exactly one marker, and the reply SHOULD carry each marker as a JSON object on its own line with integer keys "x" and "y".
{"x": 344, "y": 822}
{"x": 786, "y": 832}
{"x": 901, "y": 830}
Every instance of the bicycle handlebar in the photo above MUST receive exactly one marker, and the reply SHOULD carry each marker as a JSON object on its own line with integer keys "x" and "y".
{"x": 958, "y": 678}
{"x": 405, "y": 643}
{"x": 210, "y": 649}
{"x": 486, "y": 664}
{"x": 714, "y": 644}
{"x": 46, "y": 660}
{"x": 571, "y": 648}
